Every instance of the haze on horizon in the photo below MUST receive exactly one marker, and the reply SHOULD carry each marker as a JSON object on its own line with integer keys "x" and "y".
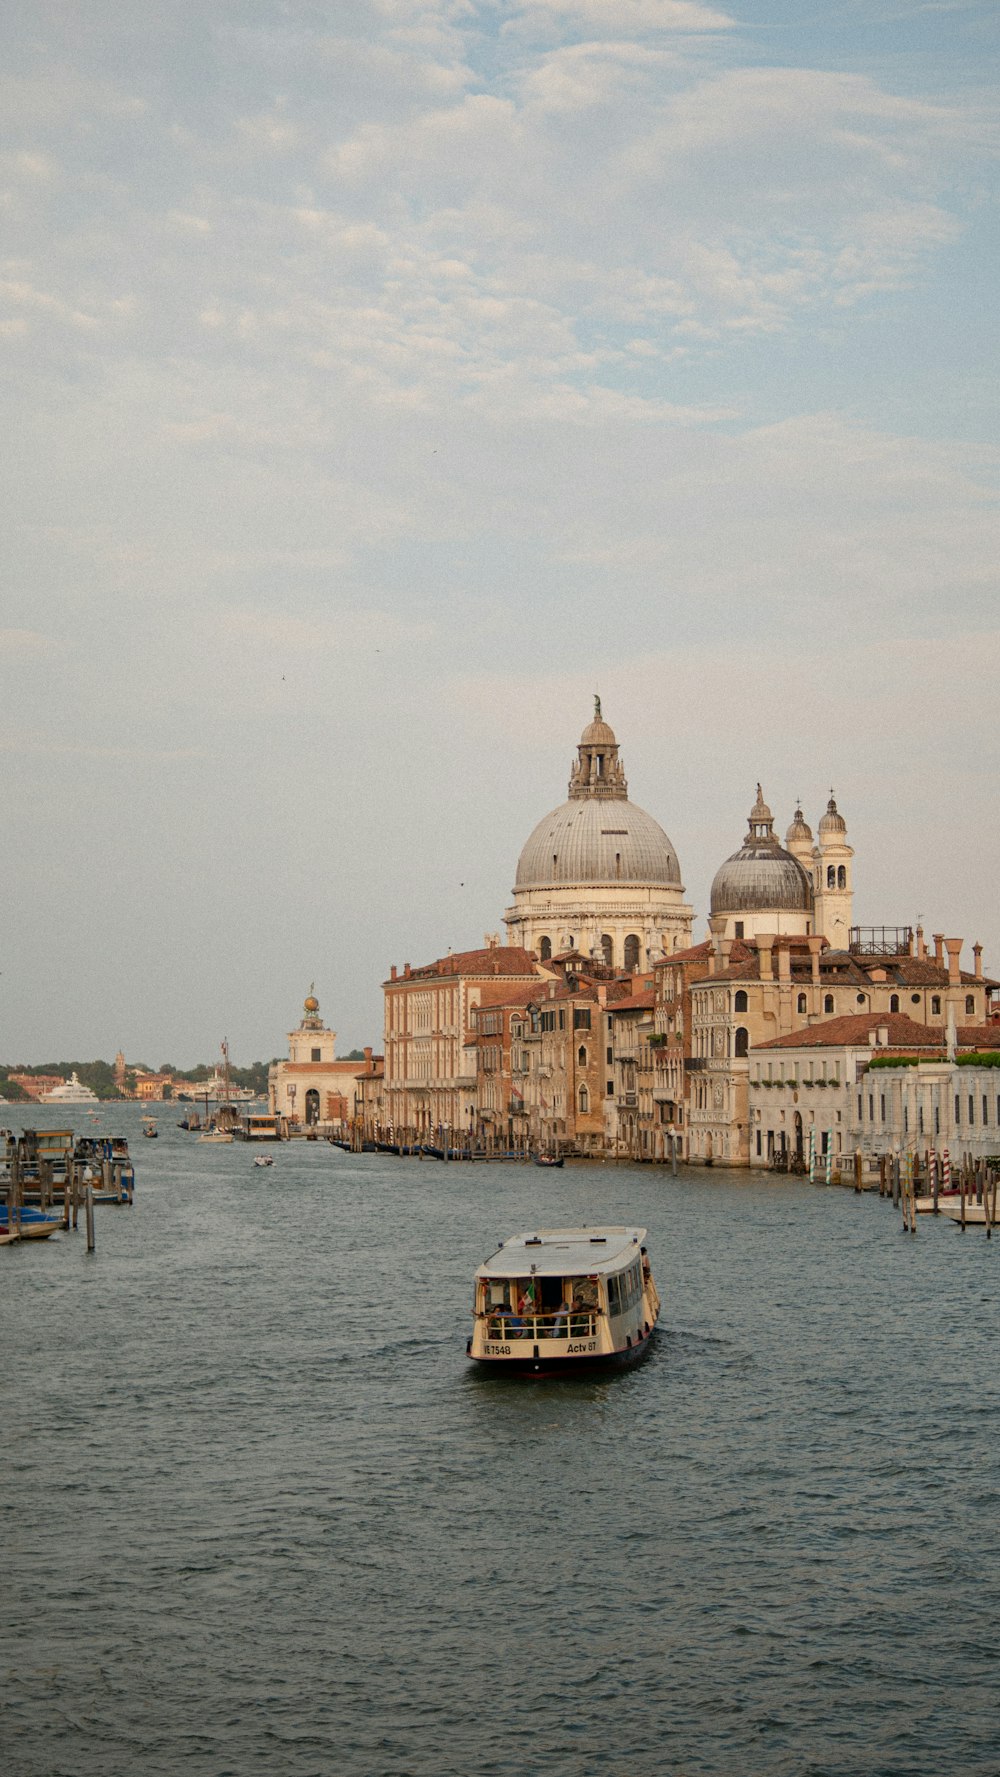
{"x": 381, "y": 380}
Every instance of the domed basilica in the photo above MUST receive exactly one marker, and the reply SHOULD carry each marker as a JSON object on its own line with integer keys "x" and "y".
{"x": 599, "y": 875}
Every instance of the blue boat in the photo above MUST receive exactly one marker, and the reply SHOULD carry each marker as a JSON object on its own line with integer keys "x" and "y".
{"x": 29, "y": 1224}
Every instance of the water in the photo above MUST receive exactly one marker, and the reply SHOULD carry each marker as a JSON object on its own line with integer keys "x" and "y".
{"x": 259, "y": 1515}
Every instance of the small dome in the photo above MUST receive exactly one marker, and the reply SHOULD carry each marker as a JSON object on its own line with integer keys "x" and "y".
{"x": 755, "y": 881}
{"x": 761, "y": 877}
{"x": 598, "y": 842}
{"x": 598, "y": 733}
{"x": 799, "y": 829}
{"x": 833, "y": 821}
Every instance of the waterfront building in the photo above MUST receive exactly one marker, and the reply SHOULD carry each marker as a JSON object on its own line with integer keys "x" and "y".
{"x": 36, "y": 1086}
{"x": 630, "y": 1113}
{"x": 775, "y": 986}
{"x": 501, "y": 1037}
{"x": 430, "y": 1043}
{"x": 598, "y": 875}
{"x": 369, "y": 1096}
{"x": 673, "y": 1050}
{"x": 882, "y": 1085}
{"x": 312, "y": 1086}
{"x": 571, "y": 1028}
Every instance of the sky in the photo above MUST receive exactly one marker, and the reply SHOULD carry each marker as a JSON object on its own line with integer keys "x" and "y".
{"x": 384, "y": 378}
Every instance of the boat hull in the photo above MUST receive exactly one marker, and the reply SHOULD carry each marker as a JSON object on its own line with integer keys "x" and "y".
{"x": 587, "y": 1363}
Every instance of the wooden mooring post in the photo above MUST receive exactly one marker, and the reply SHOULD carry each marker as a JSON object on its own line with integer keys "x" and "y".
{"x": 89, "y": 1207}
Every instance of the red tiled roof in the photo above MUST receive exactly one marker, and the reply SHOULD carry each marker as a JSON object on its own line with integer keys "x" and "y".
{"x": 904, "y": 1033}
{"x": 500, "y": 959}
{"x": 637, "y": 1002}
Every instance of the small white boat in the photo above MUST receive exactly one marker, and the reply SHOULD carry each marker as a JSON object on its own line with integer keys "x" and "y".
{"x": 977, "y": 1215}
{"x": 565, "y": 1299}
{"x": 216, "y": 1135}
{"x": 264, "y": 1160}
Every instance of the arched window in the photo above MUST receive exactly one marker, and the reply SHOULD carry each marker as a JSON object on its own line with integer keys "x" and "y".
{"x": 632, "y": 952}
{"x": 801, "y": 1003}
{"x": 312, "y": 1105}
{"x": 828, "y": 1002}
{"x": 740, "y": 1002}
{"x": 545, "y": 949}
{"x": 581, "y": 1056}
{"x": 831, "y": 877}
{"x": 583, "y": 1098}
{"x": 608, "y": 948}
{"x": 742, "y": 1041}
{"x": 894, "y": 1002}
{"x": 935, "y": 1006}
{"x": 970, "y": 1005}
{"x": 841, "y": 876}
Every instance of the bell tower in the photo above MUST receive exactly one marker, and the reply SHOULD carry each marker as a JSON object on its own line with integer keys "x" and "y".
{"x": 833, "y": 887}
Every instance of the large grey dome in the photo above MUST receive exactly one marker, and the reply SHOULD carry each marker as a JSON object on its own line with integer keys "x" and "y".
{"x": 602, "y": 840}
{"x": 761, "y": 877}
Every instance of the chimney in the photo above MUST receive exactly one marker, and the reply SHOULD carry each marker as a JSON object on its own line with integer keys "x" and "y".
{"x": 954, "y": 948}
{"x": 765, "y": 947}
{"x": 921, "y": 946}
{"x": 815, "y": 946}
{"x": 977, "y": 951}
{"x": 716, "y": 928}
{"x": 392, "y": 973}
{"x": 883, "y": 1036}
{"x": 407, "y": 971}
{"x": 784, "y": 965}
{"x": 939, "y": 948}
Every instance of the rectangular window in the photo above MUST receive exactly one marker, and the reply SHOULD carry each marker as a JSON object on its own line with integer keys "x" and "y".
{"x": 738, "y": 928}
{"x": 986, "y": 1110}
{"x": 562, "y": 1020}
{"x": 610, "y": 1088}
{"x": 609, "y": 1057}
{"x": 758, "y": 1142}
{"x": 972, "y": 1108}
{"x": 317, "y": 1055}
{"x": 871, "y": 1107}
{"x": 958, "y": 1109}
{"x": 882, "y": 1099}
{"x": 581, "y": 1017}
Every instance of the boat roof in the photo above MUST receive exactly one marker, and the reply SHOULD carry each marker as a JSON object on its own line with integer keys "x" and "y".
{"x": 561, "y": 1252}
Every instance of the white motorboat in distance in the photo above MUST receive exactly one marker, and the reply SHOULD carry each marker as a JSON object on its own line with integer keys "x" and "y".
{"x": 565, "y": 1299}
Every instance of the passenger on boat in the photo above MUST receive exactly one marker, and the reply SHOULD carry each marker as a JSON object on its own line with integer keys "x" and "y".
{"x": 559, "y": 1323}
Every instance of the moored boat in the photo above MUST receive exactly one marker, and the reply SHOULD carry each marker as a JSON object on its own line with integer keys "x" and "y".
{"x": 565, "y": 1299}
{"x": 28, "y": 1223}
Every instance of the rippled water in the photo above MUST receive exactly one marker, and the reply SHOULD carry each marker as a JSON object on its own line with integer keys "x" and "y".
{"x": 259, "y": 1516}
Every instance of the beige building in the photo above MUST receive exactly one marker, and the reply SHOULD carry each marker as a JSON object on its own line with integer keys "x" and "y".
{"x": 430, "y": 1042}
{"x": 879, "y": 1085}
{"x": 767, "y": 990}
{"x": 312, "y": 1087}
{"x": 598, "y": 875}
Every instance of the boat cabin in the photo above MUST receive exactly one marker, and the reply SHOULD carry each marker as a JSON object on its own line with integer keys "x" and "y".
{"x": 561, "y": 1296}
{"x": 258, "y": 1128}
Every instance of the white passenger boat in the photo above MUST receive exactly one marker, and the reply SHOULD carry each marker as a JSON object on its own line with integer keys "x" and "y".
{"x": 72, "y": 1091}
{"x": 565, "y": 1299}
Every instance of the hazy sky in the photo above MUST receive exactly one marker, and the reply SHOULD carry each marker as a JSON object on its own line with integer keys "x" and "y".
{"x": 383, "y": 378}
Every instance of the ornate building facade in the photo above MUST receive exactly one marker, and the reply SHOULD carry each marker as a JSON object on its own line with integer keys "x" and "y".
{"x": 598, "y": 875}
{"x": 312, "y": 1086}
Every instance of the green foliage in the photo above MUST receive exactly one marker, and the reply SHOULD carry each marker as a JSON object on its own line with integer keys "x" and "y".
{"x": 988, "y": 1058}
{"x": 12, "y": 1089}
{"x": 898, "y": 1060}
{"x": 355, "y": 1055}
